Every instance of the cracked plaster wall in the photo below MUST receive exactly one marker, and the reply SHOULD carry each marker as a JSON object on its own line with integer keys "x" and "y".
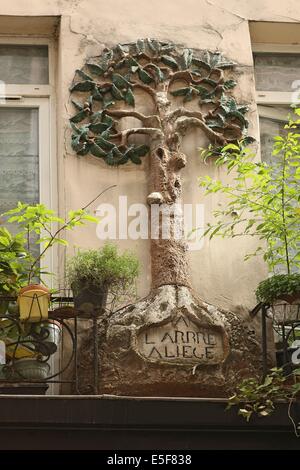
{"x": 219, "y": 273}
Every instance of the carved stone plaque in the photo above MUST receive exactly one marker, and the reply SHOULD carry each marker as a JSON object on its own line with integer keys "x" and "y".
{"x": 182, "y": 341}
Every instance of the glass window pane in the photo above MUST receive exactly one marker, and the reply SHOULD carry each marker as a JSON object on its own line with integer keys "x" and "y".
{"x": 24, "y": 64}
{"x": 269, "y": 128}
{"x": 276, "y": 72}
{"x": 19, "y": 159}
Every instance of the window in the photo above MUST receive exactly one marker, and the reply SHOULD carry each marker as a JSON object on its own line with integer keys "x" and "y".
{"x": 277, "y": 77}
{"x": 27, "y": 124}
{"x": 27, "y": 161}
{"x": 277, "y": 73}
{"x": 24, "y": 64}
{"x": 277, "y": 80}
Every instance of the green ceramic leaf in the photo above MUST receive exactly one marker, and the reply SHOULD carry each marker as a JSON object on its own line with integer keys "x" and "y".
{"x": 105, "y": 144}
{"x": 129, "y": 97}
{"x": 98, "y": 128}
{"x": 181, "y": 91}
{"x": 228, "y": 84}
{"x": 135, "y": 158}
{"x": 84, "y": 75}
{"x": 79, "y": 116}
{"x": 83, "y": 86}
{"x": 77, "y": 105}
{"x": 144, "y": 76}
{"x": 116, "y": 93}
{"x": 141, "y": 150}
{"x": 97, "y": 151}
{"x": 96, "y": 69}
{"x": 120, "y": 81}
{"x": 187, "y": 57}
{"x": 170, "y": 61}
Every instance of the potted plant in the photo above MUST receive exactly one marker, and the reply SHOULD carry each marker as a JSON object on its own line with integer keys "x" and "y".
{"x": 263, "y": 201}
{"x": 92, "y": 273}
{"x": 254, "y": 398}
{"x": 28, "y": 347}
{"x": 38, "y": 221}
{"x": 12, "y": 250}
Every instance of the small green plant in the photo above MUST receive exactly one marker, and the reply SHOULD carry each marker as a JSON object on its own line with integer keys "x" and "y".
{"x": 103, "y": 267}
{"x": 12, "y": 250}
{"x": 44, "y": 224}
{"x": 255, "y": 398}
{"x": 263, "y": 199}
{"x": 280, "y": 286}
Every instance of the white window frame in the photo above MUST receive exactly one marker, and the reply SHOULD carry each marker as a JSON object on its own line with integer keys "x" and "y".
{"x": 41, "y": 97}
{"x": 33, "y": 90}
{"x": 276, "y": 97}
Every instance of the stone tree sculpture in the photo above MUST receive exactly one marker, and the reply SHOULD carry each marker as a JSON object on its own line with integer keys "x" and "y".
{"x": 152, "y": 346}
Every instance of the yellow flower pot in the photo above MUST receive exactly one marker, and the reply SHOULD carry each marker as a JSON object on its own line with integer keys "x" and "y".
{"x": 33, "y": 303}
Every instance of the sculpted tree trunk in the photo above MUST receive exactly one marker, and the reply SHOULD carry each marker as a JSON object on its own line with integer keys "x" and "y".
{"x": 172, "y": 342}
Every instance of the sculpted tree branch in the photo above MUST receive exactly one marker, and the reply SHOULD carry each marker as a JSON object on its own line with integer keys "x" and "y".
{"x": 151, "y": 121}
{"x": 154, "y": 132}
{"x": 185, "y": 125}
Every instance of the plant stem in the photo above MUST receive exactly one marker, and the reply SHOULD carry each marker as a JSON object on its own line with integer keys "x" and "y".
{"x": 59, "y": 230}
{"x": 283, "y": 213}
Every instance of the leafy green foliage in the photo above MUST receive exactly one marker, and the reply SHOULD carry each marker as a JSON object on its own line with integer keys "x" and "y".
{"x": 255, "y": 398}
{"x": 114, "y": 77}
{"x": 45, "y": 224}
{"x": 103, "y": 267}
{"x": 12, "y": 250}
{"x": 263, "y": 199}
{"x": 281, "y": 286}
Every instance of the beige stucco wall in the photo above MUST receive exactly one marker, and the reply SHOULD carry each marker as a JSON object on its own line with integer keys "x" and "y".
{"x": 219, "y": 273}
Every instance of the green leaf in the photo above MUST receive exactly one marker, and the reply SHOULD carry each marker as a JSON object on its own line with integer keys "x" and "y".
{"x": 97, "y": 96}
{"x": 144, "y": 76}
{"x": 169, "y": 61}
{"x": 84, "y": 150}
{"x": 84, "y": 75}
{"x": 105, "y": 144}
{"x": 140, "y": 46}
{"x": 83, "y": 86}
{"x": 200, "y": 63}
{"x": 187, "y": 57}
{"x": 77, "y": 105}
{"x": 129, "y": 97}
{"x": 141, "y": 150}
{"x": 116, "y": 93}
{"x": 61, "y": 241}
{"x": 181, "y": 91}
{"x": 97, "y": 151}
{"x": 153, "y": 45}
{"x": 120, "y": 81}
{"x": 135, "y": 158}
{"x": 239, "y": 116}
{"x": 96, "y": 69}
{"x": 159, "y": 74}
{"x": 99, "y": 127}
{"x": 228, "y": 84}
{"x": 79, "y": 116}
{"x": 109, "y": 159}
